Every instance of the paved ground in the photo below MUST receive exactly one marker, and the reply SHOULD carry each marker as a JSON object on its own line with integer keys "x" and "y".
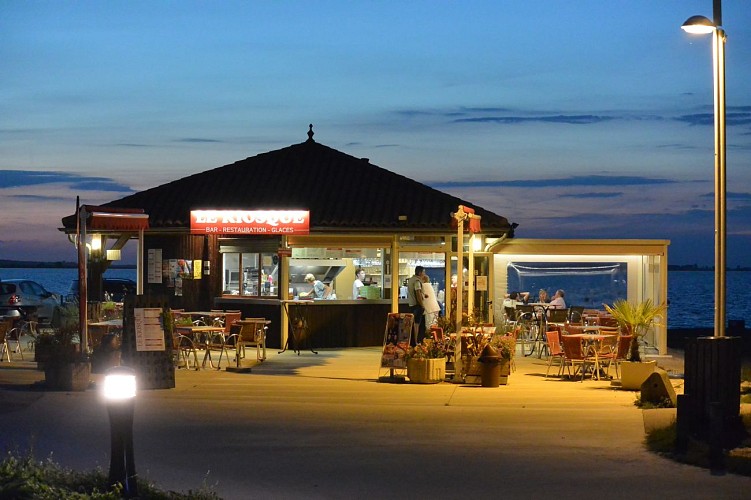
{"x": 320, "y": 426}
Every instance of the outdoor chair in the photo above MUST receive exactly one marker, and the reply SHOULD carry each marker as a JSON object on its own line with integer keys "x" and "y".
{"x": 606, "y": 351}
{"x": 525, "y": 318}
{"x": 624, "y": 345}
{"x": 555, "y": 352}
{"x": 216, "y": 341}
{"x": 558, "y": 317}
{"x": 4, "y": 346}
{"x": 576, "y": 315}
{"x": 573, "y": 329}
{"x": 229, "y": 319}
{"x": 252, "y": 334}
{"x": 576, "y": 356}
{"x": 607, "y": 321}
{"x": 183, "y": 348}
{"x": 510, "y": 315}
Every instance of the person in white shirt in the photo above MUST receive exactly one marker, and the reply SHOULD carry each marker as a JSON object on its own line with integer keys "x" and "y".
{"x": 430, "y": 303}
{"x": 357, "y": 284}
{"x": 558, "y": 302}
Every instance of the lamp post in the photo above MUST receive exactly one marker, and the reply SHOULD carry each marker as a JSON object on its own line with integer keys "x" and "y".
{"x": 702, "y": 25}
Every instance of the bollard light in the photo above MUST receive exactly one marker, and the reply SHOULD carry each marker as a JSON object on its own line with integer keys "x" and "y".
{"x": 119, "y": 392}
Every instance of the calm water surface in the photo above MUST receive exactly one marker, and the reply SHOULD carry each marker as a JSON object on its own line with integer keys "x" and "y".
{"x": 690, "y": 293}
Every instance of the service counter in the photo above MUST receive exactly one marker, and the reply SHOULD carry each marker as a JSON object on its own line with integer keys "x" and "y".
{"x": 331, "y": 323}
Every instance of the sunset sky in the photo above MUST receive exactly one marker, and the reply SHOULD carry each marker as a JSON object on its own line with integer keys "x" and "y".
{"x": 582, "y": 119}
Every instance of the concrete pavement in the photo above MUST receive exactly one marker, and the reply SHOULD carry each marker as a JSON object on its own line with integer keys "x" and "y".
{"x": 320, "y": 426}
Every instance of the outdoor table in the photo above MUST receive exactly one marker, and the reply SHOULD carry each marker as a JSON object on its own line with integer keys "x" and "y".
{"x": 98, "y": 329}
{"x": 591, "y": 340}
{"x": 200, "y": 335}
{"x": 298, "y": 325}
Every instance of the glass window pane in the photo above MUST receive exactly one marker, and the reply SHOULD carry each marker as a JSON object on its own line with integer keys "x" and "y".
{"x": 251, "y": 274}
{"x": 231, "y": 274}
{"x": 269, "y": 275}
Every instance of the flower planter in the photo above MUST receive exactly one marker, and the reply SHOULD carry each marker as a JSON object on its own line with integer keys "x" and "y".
{"x": 505, "y": 371}
{"x": 426, "y": 371}
{"x": 73, "y": 376}
{"x": 472, "y": 370}
{"x": 633, "y": 374}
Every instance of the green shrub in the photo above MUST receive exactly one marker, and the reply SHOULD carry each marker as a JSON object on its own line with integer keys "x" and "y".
{"x": 26, "y": 478}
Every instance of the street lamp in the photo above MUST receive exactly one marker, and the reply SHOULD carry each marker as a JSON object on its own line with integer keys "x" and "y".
{"x": 702, "y": 25}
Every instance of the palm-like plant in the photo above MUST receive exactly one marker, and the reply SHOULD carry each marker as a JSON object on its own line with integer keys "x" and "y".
{"x": 636, "y": 320}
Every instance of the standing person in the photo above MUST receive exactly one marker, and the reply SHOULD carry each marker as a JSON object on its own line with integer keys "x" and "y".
{"x": 415, "y": 298}
{"x": 430, "y": 302}
{"x": 357, "y": 284}
{"x": 318, "y": 290}
{"x": 558, "y": 302}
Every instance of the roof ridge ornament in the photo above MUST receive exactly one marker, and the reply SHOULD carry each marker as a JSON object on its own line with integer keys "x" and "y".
{"x": 310, "y": 133}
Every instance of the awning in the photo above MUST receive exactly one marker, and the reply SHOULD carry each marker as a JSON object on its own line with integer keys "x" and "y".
{"x": 110, "y": 219}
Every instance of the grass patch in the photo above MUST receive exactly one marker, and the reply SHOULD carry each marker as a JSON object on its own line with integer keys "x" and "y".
{"x": 24, "y": 477}
{"x": 737, "y": 460}
{"x": 650, "y": 405}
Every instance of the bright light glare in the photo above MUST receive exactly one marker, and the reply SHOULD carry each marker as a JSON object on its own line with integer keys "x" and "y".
{"x": 96, "y": 242}
{"x": 698, "y": 25}
{"x": 119, "y": 387}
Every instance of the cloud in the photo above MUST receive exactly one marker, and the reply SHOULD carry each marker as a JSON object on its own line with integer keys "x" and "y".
{"x": 197, "y": 139}
{"x": 577, "y": 180}
{"x": 733, "y": 119}
{"x": 591, "y": 195}
{"x": 569, "y": 119}
{"x": 36, "y": 197}
{"x": 24, "y": 178}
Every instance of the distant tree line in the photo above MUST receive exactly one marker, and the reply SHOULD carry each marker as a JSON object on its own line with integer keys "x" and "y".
{"x": 30, "y": 264}
{"x": 695, "y": 267}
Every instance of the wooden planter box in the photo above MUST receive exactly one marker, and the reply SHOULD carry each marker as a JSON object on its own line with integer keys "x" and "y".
{"x": 426, "y": 371}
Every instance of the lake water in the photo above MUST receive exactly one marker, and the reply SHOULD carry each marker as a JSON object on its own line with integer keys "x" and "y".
{"x": 690, "y": 293}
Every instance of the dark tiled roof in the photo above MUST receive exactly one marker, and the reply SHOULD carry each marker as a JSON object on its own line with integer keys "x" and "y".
{"x": 341, "y": 192}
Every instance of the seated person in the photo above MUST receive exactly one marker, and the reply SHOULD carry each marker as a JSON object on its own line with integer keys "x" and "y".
{"x": 514, "y": 298}
{"x": 558, "y": 302}
{"x": 542, "y": 296}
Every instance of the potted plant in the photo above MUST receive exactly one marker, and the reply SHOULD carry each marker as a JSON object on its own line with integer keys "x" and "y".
{"x": 66, "y": 366}
{"x": 505, "y": 346}
{"x": 636, "y": 319}
{"x": 426, "y": 362}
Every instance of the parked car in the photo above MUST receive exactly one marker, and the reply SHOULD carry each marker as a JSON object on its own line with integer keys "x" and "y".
{"x": 28, "y": 297}
{"x": 114, "y": 289}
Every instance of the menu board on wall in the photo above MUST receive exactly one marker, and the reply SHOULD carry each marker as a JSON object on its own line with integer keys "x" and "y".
{"x": 154, "y": 265}
{"x": 149, "y": 331}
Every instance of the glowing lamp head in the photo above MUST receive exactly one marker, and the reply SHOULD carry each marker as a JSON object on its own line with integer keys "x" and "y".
{"x": 119, "y": 384}
{"x": 698, "y": 25}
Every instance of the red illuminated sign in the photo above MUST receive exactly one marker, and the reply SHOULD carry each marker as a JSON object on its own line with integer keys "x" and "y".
{"x": 249, "y": 222}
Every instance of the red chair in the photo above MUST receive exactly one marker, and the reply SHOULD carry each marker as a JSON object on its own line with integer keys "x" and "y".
{"x": 555, "y": 352}
{"x": 624, "y": 345}
{"x": 576, "y": 356}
